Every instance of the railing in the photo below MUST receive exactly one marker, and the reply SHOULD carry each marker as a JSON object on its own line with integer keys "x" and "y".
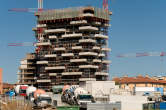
{"x": 27, "y": 78}
{"x": 88, "y": 76}
{"x": 69, "y": 80}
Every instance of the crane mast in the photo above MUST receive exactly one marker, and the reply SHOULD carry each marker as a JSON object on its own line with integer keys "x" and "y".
{"x": 105, "y": 4}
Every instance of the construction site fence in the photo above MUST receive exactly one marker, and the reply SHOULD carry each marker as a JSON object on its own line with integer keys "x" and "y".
{"x": 14, "y": 103}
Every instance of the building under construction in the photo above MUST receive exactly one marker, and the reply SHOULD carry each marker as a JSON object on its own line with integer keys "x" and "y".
{"x": 72, "y": 46}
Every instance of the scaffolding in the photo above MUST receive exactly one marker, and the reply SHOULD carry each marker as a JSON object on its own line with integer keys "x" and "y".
{"x": 73, "y": 13}
{"x": 71, "y": 46}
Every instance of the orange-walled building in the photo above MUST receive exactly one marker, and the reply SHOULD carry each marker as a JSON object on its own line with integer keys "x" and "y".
{"x": 1, "y": 82}
{"x": 139, "y": 81}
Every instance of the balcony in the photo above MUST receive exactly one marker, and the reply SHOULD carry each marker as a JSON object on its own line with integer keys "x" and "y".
{"x": 87, "y": 79}
{"x": 60, "y": 49}
{"x": 27, "y": 82}
{"x": 72, "y": 35}
{"x": 88, "y": 28}
{"x": 31, "y": 68}
{"x": 106, "y": 25}
{"x": 106, "y": 61}
{"x": 41, "y": 25}
{"x": 67, "y": 54}
{"x": 52, "y": 74}
{"x": 78, "y": 60}
{"x": 96, "y": 61}
{"x": 89, "y": 66}
{"x": 23, "y": 62}
{"x": 27, "y": 78}
{"x": 55, "y": 68}
{"x": 43, "y": 81}
{"x": 96, "y": 48}
{"x": 101, "y": 55}
{"x": 101, "y": 36}
{"x": 77, "y": 48}
{"x": 52, "y": 37}
{"x": 50, "y": 56}
{"x": 78, "y": 22}
{"x": 96, "y": 23}
{"x": 102, "y": 73}
{"x": 43, "y": 44}
{"x": 72, "y": 73}
{"x": 62, "y": 30}
{"x": 106, "y": 49}
{"x": 30, "y": 56}
{"x": 34, "y": 29}
{"x": 25, "y": 73}
{"x": 26, "y": 67}
{"x": 87, "y": 41}
{"x": 42, "y": 62}
{"x": 88, "y": 54}
{"x": 87, "y": 15}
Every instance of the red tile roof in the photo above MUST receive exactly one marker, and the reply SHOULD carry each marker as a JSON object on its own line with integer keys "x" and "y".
{"x": 138, "y": 79}
{"x": 6, "y": 86}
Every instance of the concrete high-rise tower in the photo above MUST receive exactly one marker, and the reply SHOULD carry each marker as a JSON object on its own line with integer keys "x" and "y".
{"x": 72, "y": 46}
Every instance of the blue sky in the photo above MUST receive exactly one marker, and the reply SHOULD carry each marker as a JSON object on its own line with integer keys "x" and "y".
{"x": 137, "y": 26}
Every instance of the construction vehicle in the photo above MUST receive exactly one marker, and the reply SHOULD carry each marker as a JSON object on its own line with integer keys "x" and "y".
{"x": 77, "y": 96}
{"x": 10, "y": 93}
{"x": 57, "y": 89}
{"x": 30, "y": 93}
{"x": 21, "y": 90}
{"x": 156, "y": 96}
{"x": 41, "y": 99}
{"x": 82, "y": 96}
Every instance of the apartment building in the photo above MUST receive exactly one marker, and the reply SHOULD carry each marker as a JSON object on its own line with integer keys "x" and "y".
{"x": 72, "y": 46}
{"x": 27, "y": 73}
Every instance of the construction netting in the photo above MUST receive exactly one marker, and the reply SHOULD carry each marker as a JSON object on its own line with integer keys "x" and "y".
{"x": 100, "y": 13}
{"x": 71, "y": 13}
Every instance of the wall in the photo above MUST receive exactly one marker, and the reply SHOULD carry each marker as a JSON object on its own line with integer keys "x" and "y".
{"x": 129, "y": 102}
{"x": 104, "y": 106}
{"x": 132, "y": 85}
{"x": 98, "y": 87}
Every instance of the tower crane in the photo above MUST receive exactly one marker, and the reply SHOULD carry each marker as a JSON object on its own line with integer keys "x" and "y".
{"x": 105, "y": 5}
{"x": 40, "y": 7}
{"x": 161, "y": 54}
{"x": 144, "y": 54}
{"x": 22, "y": 44}
{"x": 33, "y": 10}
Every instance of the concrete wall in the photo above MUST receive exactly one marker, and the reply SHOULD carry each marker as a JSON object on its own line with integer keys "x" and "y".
{"x": 129, "y": 102}
{"x": 104, "y": 106}
{"x": 98, "y": 87}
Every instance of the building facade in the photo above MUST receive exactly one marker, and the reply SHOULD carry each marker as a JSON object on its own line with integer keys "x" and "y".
{"x": 139, "y": 81}
{"x": 27, "y": 73}
{"x": 72, "y": 46}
